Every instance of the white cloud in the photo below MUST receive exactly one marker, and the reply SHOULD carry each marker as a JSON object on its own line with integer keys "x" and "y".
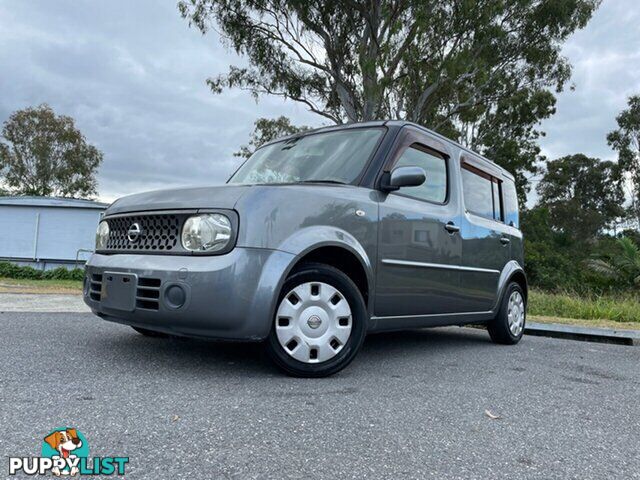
{"x": 606, "y": 60}
{"x": 133, "y": 74}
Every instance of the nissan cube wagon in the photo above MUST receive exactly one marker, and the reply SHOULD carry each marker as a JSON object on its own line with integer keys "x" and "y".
{"x": 316, "y": 240}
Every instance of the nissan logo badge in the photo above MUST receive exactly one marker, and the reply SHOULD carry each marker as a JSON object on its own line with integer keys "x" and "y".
{"x": 133, "y": 234}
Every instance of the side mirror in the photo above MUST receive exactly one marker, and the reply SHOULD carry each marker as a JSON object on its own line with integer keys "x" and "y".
{"x": 403, "y": 177}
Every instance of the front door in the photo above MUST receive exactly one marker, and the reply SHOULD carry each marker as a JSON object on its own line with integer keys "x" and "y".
{"x": 416, "y": 247}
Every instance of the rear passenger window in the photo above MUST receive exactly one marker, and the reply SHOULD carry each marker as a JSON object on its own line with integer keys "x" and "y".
{"x": 434, "y": 189}
{"x": 482, "y": 193}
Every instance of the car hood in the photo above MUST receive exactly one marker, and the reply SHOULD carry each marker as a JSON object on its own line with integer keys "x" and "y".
{"x": 224, "y": 196}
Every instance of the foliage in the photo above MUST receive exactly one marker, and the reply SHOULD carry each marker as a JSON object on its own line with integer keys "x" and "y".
{"x": 554, "y": 260}
{"x": 622, "y": 266}
{"x": 481, "y": 72}
{"x": 582, "y": 195}
{"x": 546, "y": 263}
{"x": 10, "y": 270}
{"x": 626, "y": 141}
{"x": 45, "y": 154}
{"x": 266, "y": 130}
{"x": 619, "y": 308}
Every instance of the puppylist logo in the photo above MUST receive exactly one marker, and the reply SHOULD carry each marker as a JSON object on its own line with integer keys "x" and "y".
{"x": 65, "y": 451}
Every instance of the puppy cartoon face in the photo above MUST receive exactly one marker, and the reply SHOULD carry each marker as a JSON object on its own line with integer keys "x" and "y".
{"x": 64, "y": 441}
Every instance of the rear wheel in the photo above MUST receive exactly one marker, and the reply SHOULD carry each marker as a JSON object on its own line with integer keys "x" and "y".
{"x": 150, "y": 333}
{"x": 508, "y": 326}
{"x": 320, "y": 322}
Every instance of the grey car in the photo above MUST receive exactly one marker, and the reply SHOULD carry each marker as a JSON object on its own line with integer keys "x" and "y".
{"x": 317, "y": 240}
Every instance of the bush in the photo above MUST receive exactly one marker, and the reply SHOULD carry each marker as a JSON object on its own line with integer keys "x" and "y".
{"x": 556, "y": 262}
{"x": 10, "y": 270}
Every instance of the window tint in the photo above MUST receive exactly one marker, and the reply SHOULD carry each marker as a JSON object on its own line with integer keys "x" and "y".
{"x": 510, "y": 198}
{"x": 478, "y": 192}
{"x": 434, "y": 189}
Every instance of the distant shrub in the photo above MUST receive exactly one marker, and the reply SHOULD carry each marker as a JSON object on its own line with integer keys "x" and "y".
{"x": 555, "y": 262}
{"x": 10, "y": 270}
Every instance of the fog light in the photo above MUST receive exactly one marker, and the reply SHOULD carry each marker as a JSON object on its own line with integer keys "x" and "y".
{"x": 175, "y": 296}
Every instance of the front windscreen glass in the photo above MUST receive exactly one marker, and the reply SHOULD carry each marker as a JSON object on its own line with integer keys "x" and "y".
{"x": 338, "y": 157}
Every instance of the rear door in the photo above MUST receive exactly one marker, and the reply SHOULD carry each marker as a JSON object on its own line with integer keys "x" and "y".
{"x": 485, "y": 237}
{"x": 415, "y": 250}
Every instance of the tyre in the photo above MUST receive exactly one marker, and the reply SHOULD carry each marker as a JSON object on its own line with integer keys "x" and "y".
{"x": 320, "y": 322}
{"x": 508, "y": 326}
{"x": 150, "y": 333}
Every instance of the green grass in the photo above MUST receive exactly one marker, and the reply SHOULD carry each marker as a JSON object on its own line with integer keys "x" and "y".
{"x": 620, "y": 308}
{"x": 27, "y": 285}
{"x": 610, "y": 324}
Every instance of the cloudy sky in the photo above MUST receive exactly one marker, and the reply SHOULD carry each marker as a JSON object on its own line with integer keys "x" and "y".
{"x": 132, "y": 74}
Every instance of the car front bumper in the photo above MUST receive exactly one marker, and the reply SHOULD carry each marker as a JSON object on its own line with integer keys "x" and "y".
{"x": 229, "y": 296}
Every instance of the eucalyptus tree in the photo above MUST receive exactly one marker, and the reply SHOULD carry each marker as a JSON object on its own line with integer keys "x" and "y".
{"x": 626, "y": 141}
{"x": 582, "y": 195}
{"x": 44, "y": 154}
{"x": 481, "y": 71}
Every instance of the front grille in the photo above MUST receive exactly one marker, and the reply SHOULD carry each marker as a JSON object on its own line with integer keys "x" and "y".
{"x": 95, "y": 287}
{"x": 148, "y": 293}
{"x": 158, "y": 232}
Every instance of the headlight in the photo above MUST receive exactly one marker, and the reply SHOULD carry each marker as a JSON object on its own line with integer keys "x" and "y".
{"x": 209, "y": 232}
{"x": 102, "y": 235}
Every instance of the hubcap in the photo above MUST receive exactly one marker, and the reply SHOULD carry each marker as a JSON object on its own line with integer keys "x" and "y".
{"x": 516, "y": 313}
{"x": 313, "y": 322}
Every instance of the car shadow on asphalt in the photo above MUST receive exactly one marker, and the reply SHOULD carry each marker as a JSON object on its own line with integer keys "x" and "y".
{"x": 183, "y": 354}
{"x": 446, "y": 337}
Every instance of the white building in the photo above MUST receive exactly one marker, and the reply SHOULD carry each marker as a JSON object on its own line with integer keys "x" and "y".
{"x": 48, "y": 232}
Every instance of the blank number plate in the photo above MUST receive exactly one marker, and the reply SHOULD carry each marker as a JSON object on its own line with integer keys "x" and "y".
{"x": 119, "y": 291}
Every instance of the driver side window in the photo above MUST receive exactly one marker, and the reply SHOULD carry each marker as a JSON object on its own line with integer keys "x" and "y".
{"x": 434, "y": 189}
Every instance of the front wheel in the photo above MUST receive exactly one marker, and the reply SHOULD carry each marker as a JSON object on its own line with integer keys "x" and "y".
{"x": 320, "y": 322}
{"x": 508, "y": 326}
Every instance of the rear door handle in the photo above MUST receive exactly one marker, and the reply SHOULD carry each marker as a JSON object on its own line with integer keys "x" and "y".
{"x": 451, "y": 227}
{"x": 504, "y": 240}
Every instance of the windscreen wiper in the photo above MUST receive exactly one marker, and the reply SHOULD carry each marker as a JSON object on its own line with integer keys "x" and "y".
{"x": 336, "y": 182}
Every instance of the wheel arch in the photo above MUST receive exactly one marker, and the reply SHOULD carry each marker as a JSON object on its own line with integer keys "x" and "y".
{"x": 337, "y": 248}
{"x": 512, "y": 272}
{"x": 342, "y": 259}
{"x": 521, "y": 279}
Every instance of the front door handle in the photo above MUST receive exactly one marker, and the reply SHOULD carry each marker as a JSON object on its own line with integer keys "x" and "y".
{"x": 504, "y": 240}
{"x": 451, "y": 227}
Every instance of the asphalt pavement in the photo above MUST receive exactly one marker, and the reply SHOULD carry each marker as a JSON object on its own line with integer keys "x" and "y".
{"x": 412, "y": 405}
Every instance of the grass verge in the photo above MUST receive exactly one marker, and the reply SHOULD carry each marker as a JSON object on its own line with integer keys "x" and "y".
{"x": 580, "y": 322}
{"x": 588, "y": 309}
{"x": 23, "y": 285}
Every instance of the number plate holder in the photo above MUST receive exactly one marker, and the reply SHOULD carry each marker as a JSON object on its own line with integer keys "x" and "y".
{"x": 119, "y": 291}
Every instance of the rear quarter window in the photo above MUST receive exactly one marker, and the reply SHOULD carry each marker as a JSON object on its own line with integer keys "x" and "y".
{"x": 511, "y": 216}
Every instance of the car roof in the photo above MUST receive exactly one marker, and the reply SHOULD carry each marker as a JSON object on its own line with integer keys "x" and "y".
{"x": 392, "y": 123}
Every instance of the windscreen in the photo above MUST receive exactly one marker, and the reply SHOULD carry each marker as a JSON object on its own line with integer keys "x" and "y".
{"x": 338, "y": 156}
